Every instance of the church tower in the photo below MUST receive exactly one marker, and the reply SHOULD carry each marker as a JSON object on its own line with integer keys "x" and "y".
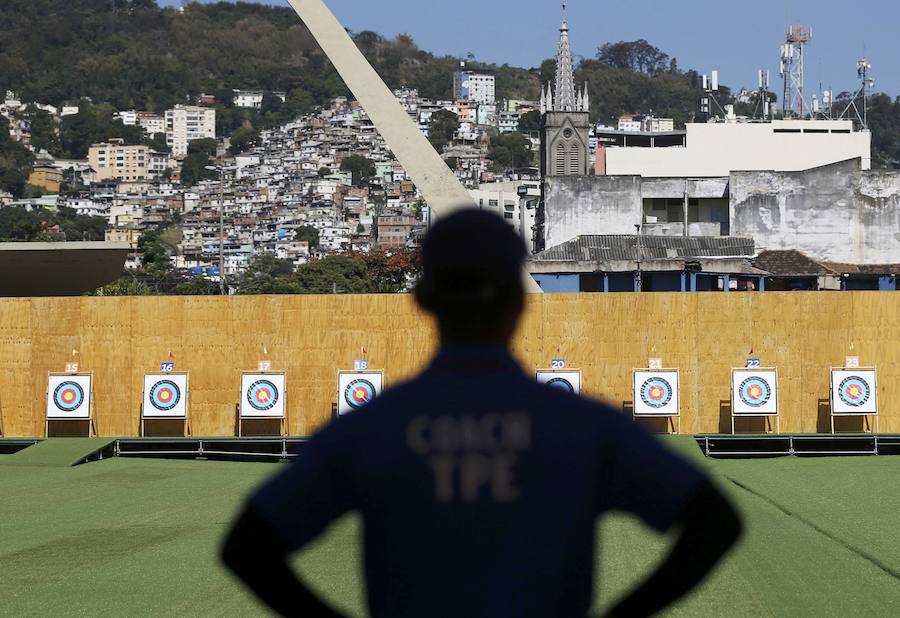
{"x": 564, "y": 116}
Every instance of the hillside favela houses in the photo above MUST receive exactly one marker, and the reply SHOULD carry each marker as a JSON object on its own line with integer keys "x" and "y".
{"x": 729, "y": 204}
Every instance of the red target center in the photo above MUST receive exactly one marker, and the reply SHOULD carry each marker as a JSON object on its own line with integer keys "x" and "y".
{"x": 165, "y": 395}
{"x": 68, "y": 396}
{"x": 755, "y": 392}
{"x": 656, "y": 392}
{"x": 854, "y": 392}
{"x": 262, "y": 396}
{"x": 359, "y": 394}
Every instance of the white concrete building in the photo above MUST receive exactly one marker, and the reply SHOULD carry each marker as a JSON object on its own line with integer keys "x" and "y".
{"x": 253, "y": 98}
{"x": 151, "y": 123}
{"x": 477, "y": 87}
{"x": 717, "y": 149}
{"x": 186, "y": 123}
{"x": 515, "y": 201}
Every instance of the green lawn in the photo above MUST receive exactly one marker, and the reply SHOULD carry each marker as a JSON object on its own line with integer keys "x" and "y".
{"x": 139, "y": 537}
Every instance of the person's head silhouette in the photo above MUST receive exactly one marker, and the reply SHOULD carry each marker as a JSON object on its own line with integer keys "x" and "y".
{"x": 471, "y": 278}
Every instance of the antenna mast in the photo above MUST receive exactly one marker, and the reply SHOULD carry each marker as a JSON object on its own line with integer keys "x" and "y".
{"x": 792, "y": 52}
{"x": 862, "y": 116}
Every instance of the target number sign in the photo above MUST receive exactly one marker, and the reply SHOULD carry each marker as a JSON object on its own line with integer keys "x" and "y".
{"x": 165, "y": 395}
{"x": 754, "y": 392}
{"x": 69, "y": 396}
{"x": 358, "y": 388}
{"x": 854, "y": 392}
{"x": 656, "y": 393}
{"x": 262, "y": 395}
{"x": 568, "y": 381}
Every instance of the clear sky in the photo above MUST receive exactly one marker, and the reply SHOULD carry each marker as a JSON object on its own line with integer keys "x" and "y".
{"x": 737, "y": 38}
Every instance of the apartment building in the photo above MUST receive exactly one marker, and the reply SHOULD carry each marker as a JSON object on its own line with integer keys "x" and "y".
{"x": 186, "y": 123}
{"x": 475, "y": 87}
{"x": 115, "y": 159}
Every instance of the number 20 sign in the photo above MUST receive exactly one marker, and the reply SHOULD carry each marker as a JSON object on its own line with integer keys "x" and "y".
{"x": 558, "y": 363}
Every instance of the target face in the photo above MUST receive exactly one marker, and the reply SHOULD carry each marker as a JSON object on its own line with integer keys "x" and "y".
{"x": 568, "y": 381}
{"x": 754, "y": 391}
{"x": 165, "y": 396}
{"x": 356, "y": 389}
{"x": 68, "y": 396}
{"x": 656, "y": 393}
{"x": 262, "y": 395}
{"x": 853, "y": 392}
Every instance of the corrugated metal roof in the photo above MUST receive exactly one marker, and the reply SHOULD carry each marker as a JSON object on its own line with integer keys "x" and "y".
{"x": 596, "y": 248}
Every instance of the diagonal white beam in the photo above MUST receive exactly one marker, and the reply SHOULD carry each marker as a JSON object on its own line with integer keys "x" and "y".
{"x": 441, "y": 189}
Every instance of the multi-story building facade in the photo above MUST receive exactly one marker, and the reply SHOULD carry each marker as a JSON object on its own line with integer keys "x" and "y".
{"x": 477, "y": 87}
{"x": 115, "y": 159}
{"x": 152, "y": 123}
{"x": 186, "y": 123}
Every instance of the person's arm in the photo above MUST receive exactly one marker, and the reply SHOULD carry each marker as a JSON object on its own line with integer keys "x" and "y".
{"x": 256, "y": 554}
{"x": 283, "y": 516}
{"x": 708, "y": 527}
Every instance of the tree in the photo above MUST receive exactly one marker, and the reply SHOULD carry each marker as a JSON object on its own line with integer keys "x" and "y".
{"x": 393, "y": 271}
{"x": 93, "y": 124}
{"x": 361, "y": 169}
{"x": 193, "y": 167}
{"x": 639, "y": 56}
{"x": 157, "y": 143}
{"x": 15, "y": 162}
{"x": 510, "y": 150}
{"x": 268, "y": 275}
{"x": 441, "y": 128}
{"x": 309, "y": 234}
{"x": 44, "y": 130}
{"x": 124, "y": 286}
{"x": 324, "y": 171}
{"x": 154, "y": 253}
{"x": 343, "y": 274}
{"x": 243, "y": 140}
{"x": 530, "y": 122}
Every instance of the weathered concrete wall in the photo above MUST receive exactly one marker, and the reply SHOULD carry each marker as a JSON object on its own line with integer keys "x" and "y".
{"x": 674, "y": 188}
{"x": 835, "y": 213}
{"x": 578, "y": 205}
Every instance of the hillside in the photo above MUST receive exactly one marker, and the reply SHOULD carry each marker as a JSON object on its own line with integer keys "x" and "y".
{"x": 133, "y": 54}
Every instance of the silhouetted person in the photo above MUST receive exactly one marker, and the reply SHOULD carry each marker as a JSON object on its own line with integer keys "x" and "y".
{"x": 479, "y": 489}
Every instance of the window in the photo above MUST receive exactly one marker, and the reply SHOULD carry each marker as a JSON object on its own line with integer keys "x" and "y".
{"x": 493, "y": 203}
{"x": 507, "y": 215}
{"x": 560, "y": 160}
{"x": 575, "y": 159}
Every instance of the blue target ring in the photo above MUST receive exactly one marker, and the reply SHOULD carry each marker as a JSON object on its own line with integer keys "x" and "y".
{"x": 165, "y": 395}
{"x": 68, "y": 396}
{"x": 755, "y": 392}
{"x": 854, "y": 391}
{"x": 561, "y": 384}
{"x": 358, "y": 393}
{"x": 656, "y": 393}
{"x": 262, "y": 395}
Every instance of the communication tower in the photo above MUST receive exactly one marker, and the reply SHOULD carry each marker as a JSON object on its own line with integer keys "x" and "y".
{"x": 792, "y": 52}
{"x": 861, "y": 98}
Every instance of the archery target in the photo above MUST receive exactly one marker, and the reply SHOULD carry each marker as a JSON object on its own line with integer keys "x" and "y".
{"x": 356, "y": 389}
{"x": 567, "y": 381}
{"x": 854, "y": 392}
{"x": 262, "y": 395}
{"x": 656, "y": 393}
{"x": 165, "y": 395}
{"x": 755, "y": 392}
{"x": 69, "y": 396}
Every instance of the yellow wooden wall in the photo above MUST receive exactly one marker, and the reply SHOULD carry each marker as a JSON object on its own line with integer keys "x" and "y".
{"x": 313, "y": 337}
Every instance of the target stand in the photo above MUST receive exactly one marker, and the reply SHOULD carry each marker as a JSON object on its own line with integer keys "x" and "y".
{"x": 657, "y": 395}
{"x": 854, "y": 393}
{"x": 566, "y": 380}
{"x": 754, "y": 394}
{"x": 263, "y": 398}
{"x": 165, "y": 398}
{"x": 70, "y": 398}
{"x": 357, "y": 388}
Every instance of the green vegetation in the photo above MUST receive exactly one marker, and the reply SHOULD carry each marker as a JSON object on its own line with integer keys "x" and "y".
{"x": 200, "y": 153}
{"x": 309, "y": 234}
{"x": 18, "y": 224}
{"x": 509, "y": 151}
{"x": 156, "y": 551}
{"x": 441, "y": 128}
{"x": 15, "y": 164}
{"x": 361, "y": 169}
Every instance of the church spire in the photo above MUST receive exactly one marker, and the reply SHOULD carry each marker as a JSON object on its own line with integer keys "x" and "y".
{"x": 565, "y": 75}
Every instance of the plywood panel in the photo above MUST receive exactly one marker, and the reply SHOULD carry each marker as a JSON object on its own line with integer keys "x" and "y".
{"x": 313, "y": 337}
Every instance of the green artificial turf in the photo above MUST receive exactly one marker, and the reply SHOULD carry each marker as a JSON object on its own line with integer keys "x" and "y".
{"x": 139, "y": 537}
{"x": 55, "y": 452}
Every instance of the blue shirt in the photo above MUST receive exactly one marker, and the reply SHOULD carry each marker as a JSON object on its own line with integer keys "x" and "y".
{"x": 479, "y": 490}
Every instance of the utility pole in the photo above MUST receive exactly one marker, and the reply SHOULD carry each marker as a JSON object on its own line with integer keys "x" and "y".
{"x": 222, "y": 287}
{"x": 640, "y": 278}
